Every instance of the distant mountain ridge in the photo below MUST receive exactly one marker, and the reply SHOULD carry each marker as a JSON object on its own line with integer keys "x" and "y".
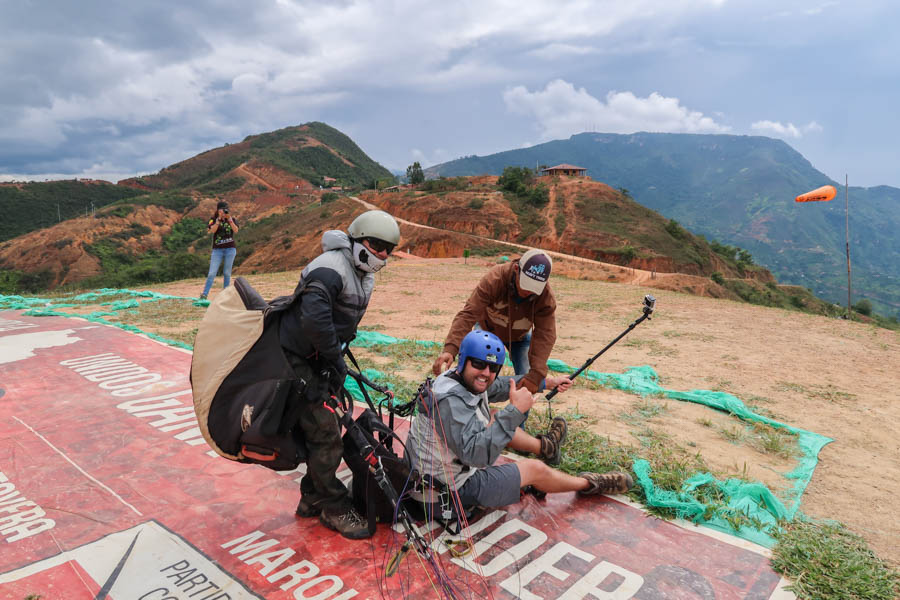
{"x": 739, "y": 190}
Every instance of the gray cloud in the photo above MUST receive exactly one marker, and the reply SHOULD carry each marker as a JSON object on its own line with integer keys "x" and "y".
{"x": 131, "y": 87}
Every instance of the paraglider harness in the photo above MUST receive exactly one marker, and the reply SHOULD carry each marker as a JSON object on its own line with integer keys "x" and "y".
{"x": 368, "y": 451}
{"x": 378, "y": 472}
{"x": 368, "y": 441}
{"x": 448, "y": 510}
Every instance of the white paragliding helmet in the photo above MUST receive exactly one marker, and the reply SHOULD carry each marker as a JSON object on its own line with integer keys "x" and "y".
{"x": 382, "y": 233}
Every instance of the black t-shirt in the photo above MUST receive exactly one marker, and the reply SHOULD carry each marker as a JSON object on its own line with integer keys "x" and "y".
{"x": 224, "y": 235}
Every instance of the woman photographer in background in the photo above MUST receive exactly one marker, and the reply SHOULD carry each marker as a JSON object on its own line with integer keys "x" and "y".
{"x": 223, "y": 227}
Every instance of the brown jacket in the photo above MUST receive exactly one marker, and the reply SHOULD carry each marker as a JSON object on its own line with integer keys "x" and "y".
{"x": 493, "y": 306}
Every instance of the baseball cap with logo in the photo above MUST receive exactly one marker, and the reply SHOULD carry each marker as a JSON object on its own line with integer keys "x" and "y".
{"x": 534, "y": 270}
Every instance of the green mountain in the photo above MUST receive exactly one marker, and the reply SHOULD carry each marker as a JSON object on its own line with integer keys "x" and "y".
{"x": 739, "y": 190}
{"x": 30, "y": 206}
{"x": 311, "y": 151}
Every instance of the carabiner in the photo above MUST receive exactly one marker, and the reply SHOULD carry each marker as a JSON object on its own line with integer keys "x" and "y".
{"x": 459, "y": 548}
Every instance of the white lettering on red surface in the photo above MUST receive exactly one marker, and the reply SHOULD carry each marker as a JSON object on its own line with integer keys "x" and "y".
{"x": 545, "y": 563}
{"x": 618, "y": 583}
{"x": 125, "y": 378}
{"x": 12, "y": 325}
{"x": 438, "y": 545}
{"x": 588, "y": 586}
{"x": 186, "y": 581}
{"x": 302, "y": 575}
{"x": 20, "y": 518}
{"x": 533, "y": 539}
{"x": 115, "y": 373}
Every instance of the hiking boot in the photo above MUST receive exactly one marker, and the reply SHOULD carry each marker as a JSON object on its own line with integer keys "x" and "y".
{"x": 348, "y": 523}
{"x": 202, "y": 296}
{"x": 552, "y": 441}
{"x": 307, "y": 510}
{"x": 606, "y": 483}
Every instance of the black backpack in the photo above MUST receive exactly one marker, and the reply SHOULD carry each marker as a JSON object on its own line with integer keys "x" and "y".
{"x": 368, "y": 498}
{"x": 246, "y": 395}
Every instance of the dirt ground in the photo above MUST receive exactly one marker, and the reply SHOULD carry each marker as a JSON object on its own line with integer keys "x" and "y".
{"x": 832, "y": 377}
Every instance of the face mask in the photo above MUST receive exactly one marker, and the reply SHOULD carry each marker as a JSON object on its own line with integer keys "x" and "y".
{"x": 365, "y": 260}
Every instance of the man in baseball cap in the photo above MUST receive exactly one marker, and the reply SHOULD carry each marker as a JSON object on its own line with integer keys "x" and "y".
{"x": 534, "y": 271}
{"x": 514, "y": 302}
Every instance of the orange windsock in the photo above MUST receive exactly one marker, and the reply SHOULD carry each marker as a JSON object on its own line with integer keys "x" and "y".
{"x": 822, "y": 194}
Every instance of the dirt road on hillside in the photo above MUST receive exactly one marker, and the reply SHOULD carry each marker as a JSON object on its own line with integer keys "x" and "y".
{"x": 249, "y": 176}
{"x": 623, "y": 274}
{"x": 832, "y": 377}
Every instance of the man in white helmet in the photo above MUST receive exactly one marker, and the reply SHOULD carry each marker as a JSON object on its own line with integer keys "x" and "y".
{"x": 334, "y": 291}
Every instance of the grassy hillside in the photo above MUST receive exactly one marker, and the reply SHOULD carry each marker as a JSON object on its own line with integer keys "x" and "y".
{"x": 151, "y": 229}
{"x": 311, "y": 151}
{"x": 590, "y": 220}
{"x": 121, "y": 265}
{"x": 29, "y": 206}
{"x": 739, "y": 190}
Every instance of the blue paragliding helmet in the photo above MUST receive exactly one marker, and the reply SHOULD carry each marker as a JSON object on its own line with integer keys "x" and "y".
{"x": 481, "y": 345}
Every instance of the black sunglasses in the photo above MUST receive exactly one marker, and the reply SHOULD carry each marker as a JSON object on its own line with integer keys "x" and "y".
{"x": 380, "y": 245}
{"x": 479, "y": 365}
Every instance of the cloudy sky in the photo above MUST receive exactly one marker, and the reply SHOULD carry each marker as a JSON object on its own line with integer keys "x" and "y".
{"x": 115, "y": 89}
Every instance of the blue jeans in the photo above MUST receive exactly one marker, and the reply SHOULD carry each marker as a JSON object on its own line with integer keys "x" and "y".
{"x": 518, "y": 356}
{"x": 218, "y": 256}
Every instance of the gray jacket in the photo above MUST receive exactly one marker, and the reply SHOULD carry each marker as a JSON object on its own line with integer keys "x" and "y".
{"x": 334, "y": 298}
{"x": 455, "y": 436}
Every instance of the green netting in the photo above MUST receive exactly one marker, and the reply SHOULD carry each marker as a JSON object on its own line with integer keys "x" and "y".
{"x": 21, "y": 303}
{"x": 121, "y": 304}
{"x": 367, "y": 339}
{"x": 100, "y": 313}
{"x": 754, "y": 500}
{"x": 49, "y": 307}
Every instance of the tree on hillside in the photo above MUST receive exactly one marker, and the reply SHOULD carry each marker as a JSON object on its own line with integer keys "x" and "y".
{"x": 675, "y": 230}
{"x": 863, "y": 307}
{"x": 516, "y": 180}
{"x": 521, "y": 182}
{"x": 384, "y": 182}
{"x": 414, "y": 173}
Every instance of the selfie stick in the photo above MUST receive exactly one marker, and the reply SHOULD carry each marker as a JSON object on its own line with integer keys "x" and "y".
{"x": 649, "y": 305}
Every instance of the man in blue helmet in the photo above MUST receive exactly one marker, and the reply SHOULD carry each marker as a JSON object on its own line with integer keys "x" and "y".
{"x": 456, "y": 439}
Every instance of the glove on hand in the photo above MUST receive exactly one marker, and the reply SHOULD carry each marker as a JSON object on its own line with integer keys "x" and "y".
{"x": 336, "y": 376}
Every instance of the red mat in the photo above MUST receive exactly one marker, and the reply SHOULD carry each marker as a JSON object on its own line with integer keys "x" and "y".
{"x": 107, "y": 490}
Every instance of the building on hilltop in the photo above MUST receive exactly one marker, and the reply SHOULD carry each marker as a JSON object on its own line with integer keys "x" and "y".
{"x": 564, "y": 169}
